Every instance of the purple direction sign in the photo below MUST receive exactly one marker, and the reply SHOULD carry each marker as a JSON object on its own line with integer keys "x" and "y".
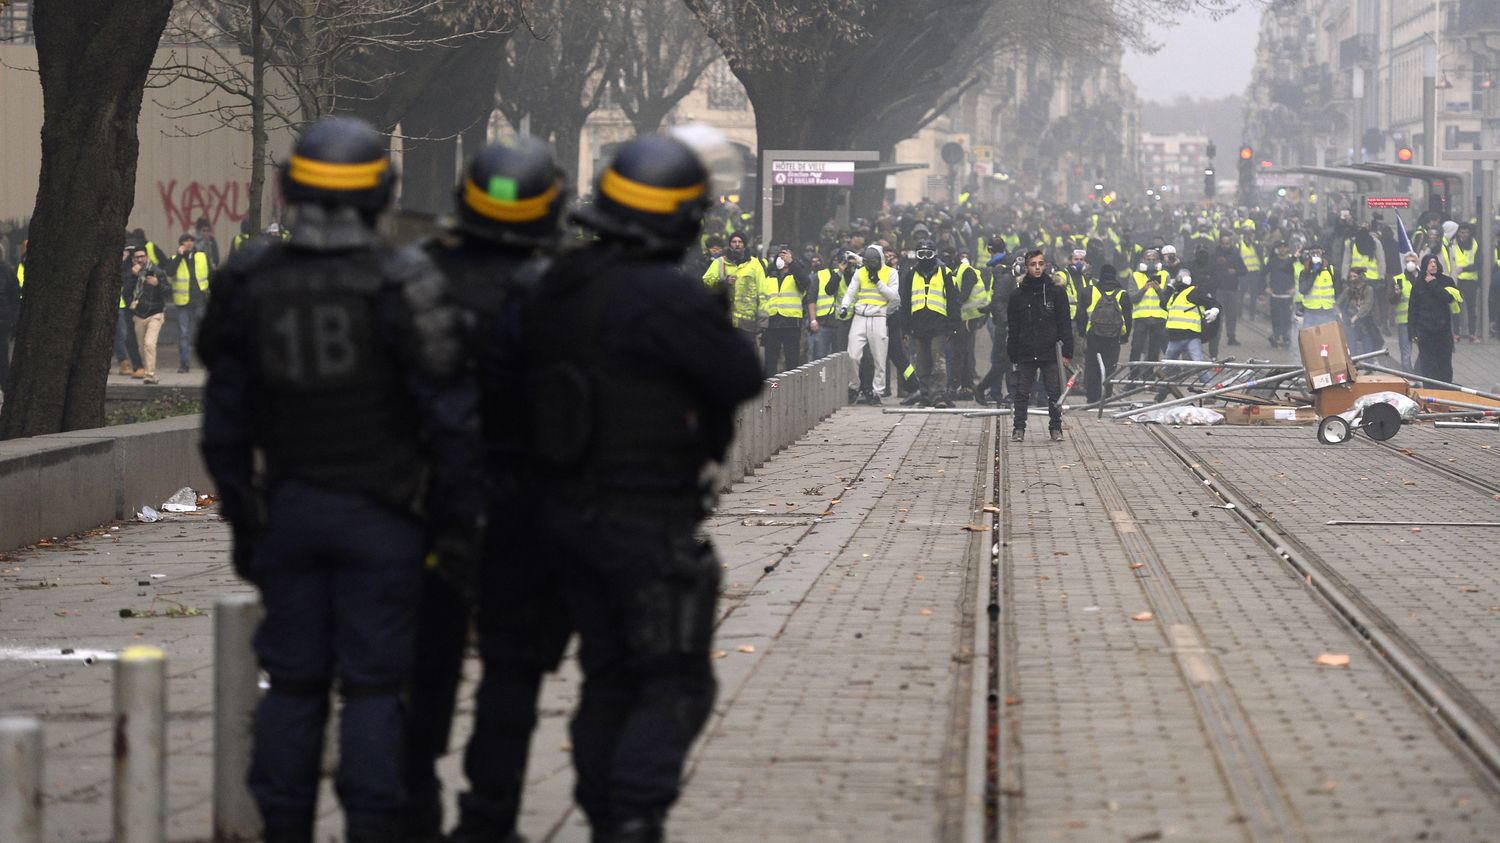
{"x": 814, "y": 173}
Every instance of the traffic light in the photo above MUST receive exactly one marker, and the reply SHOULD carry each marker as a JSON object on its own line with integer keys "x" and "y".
{"x": 1247, "y": 173}
{"x": 1208, "y": 182}
{"x": 1404, "y": 154}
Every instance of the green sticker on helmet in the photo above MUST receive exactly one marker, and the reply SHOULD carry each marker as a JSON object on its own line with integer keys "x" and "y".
{"x": 502, "y": 188}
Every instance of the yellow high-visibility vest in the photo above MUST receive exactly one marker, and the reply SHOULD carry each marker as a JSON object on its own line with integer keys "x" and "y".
{"x": 181, "y": 293}
{"x": 1150, "y": 306}
{"x": 930, "y": 293}
{"x": 826, "y": 304}
{"x": 1251, "y": 256}
{"x": 979, "y": 294}
{"x": 869, "y": 293}
{"x": 1183, "y": 315}
{"x": 785, "y": 300}
{"x": 1095, "y": 296}
{"x": 1402, "y": 306}
{"x": 1366, "y": 264}
{"x": 1462, "y": 257}
{"x": 1321, "y": 297}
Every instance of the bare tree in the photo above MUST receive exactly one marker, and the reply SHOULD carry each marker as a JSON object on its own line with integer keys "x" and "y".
{"x": 843, "y": 74}
{"x": 92, "y": 89}
{"x": 557, "y": 75}
{"x": 660, "y": 52}
{"x": 272, "y": 64}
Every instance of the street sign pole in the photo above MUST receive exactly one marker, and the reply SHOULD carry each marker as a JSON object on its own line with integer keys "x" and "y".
{"x": 1486, "y": 190}
{"x": 769, "y": 158}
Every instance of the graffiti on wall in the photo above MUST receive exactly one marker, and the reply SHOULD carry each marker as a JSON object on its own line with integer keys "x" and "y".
{"x": 184, "y": 204}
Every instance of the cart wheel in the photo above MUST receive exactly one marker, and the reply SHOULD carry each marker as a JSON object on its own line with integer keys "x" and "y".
{"x": 1333, "y": 430}
{"x": 1381, "y": 422}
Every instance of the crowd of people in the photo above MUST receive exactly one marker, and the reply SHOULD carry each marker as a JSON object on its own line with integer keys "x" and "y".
{"x": 491, "y": 431}
{"x": 1149, "y": 281}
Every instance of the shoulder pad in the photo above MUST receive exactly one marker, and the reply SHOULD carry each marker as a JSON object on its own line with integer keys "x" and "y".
{"x": 528, "y": 276}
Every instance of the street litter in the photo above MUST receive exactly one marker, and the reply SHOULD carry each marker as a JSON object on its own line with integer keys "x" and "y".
{"x": 1180, "y": 415}
{"x": 184, "y": 500}
{"x": 148, "y": 515}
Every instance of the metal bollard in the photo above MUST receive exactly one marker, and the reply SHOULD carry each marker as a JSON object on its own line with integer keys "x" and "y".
{"x": 140, "y": 806}
{"x": 20, "y": 779}
{"x": 236, "y": 691}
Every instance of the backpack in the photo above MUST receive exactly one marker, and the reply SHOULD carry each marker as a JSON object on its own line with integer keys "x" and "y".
{"x": 1107, "y": 320}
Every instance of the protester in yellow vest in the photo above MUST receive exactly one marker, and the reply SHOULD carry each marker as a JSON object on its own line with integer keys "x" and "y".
{"x": 788, "y": 285}
{"x": 1464, "y": 255}
{"x": 1105, "y": 322}
{"x": 1401, "y": 298}
{"x": 189, "y": 271}
{"x": 822, "y": 324}
{"x": 1148, "y": 335}
{"x": 973, "y": 299}
{"x": 1254, "y": 282}
{"x": 929, "y": 299}
{"x": 742, "y": 276}
{"x": 1317, "y": 291}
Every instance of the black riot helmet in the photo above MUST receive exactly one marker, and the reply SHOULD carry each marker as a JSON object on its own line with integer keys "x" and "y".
{"x": 654, "y": 193}
{"x": 512, "y": 193}
{"x": 339, "y": 162}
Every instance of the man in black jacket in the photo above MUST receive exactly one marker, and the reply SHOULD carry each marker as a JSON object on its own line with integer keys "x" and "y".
{"x": 929, "y": 310}
{"x": 1429, "y": 319}
{"x": 1037, "y": 315}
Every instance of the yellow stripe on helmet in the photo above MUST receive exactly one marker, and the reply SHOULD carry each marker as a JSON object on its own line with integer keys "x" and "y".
{"x": 520, "y": 210}
{"x": 330, "y": 176}
{"x": 645, "y": 197}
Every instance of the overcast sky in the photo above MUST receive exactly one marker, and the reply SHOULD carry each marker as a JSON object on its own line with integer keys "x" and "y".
{"x": 1202, "y": 58}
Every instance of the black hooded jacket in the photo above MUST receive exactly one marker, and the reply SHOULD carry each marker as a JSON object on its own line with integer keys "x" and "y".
{"x": 1429, "y": 315}
{"x": 1038, "y": 317}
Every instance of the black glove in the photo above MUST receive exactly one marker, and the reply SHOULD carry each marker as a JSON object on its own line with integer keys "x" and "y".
{"x": 456, "y": 554}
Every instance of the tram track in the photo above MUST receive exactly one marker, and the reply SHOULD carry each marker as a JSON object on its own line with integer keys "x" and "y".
{"x": 1471, "y": 726}
{"x": 1244, "y": 766}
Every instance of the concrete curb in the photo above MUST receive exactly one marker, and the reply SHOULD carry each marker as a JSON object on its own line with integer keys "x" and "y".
{"x": 791, "y": 404}
{"x": 65, "y": 482}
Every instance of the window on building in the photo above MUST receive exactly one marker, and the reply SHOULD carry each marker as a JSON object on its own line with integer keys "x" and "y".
{"x": 725, "y": 93}
{"x": 15, "y": 22}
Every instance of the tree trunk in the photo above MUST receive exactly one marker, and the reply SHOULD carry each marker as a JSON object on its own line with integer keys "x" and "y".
{"x": 784, "y": 120}
{"x": 93, "y": 60}
{"x": 257, "y": 116}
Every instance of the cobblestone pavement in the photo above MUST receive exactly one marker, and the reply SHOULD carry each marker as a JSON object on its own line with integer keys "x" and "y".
{"x": 851, "y": 701}
{"x": 1208, "y": 718}
{"x": 839, "y": 690}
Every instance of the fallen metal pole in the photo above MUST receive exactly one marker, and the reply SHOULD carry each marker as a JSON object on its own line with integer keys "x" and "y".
{"x": 1469, "y": 425}
{"x": 1209, "y": 364}
{"x": 1429, "y": 381}
{"x": 1456, "y": 414}
{"x": 236, "y": 692}
{"x": 20, "y": 779}
{"x": 1188, "y": 399}
{"x": 140, "y": 788}
{"x": 1413, "y": 523}
{"x": 1467, "y": 405}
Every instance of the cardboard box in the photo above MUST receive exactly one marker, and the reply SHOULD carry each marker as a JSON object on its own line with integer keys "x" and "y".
{"x": 1432, "y": 400}
{"x": 1338, "y": 399}
{"x": 1325, "y": 355}
{"x": 1266, "y": 415}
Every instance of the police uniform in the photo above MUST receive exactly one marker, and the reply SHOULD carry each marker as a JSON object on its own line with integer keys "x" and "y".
{"x": 508, "y": 205}
{"x": 331, "y": 365}
{"x": 629, "y": 372}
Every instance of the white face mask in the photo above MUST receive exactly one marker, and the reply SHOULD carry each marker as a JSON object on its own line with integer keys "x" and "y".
{"x": 780, "y": 264}
{"x": 1411, "y": 266}
{"x": 963, "y": 261}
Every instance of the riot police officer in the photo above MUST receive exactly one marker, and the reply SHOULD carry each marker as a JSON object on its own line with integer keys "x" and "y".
{"x": 334, "y": 399}
{"x": 508, "y": 207}
{"x": 629, "y": 373}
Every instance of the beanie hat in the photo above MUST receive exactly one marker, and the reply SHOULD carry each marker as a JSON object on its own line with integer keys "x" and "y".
{"x": 1450, "y": 228}
{"x": 1108, "y": 273}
